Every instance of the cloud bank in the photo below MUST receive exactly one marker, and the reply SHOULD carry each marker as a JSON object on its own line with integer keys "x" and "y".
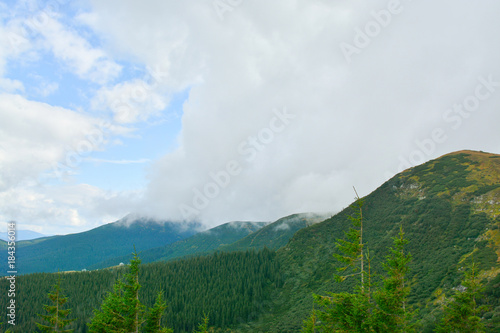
{"x": 291, "y": 103}
{"x": 369, "y": 86}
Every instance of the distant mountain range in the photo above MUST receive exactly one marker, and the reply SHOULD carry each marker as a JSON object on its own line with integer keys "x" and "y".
{"x": 23, "y": 235}
{"x": 112, "y": 244}
{"x": 80, "y": 250}
{"x": 200, "y": 243}
{"x": 228, "y": 237}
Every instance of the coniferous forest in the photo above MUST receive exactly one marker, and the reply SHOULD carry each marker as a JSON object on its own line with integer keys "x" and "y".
{"x": 229, "y": 287}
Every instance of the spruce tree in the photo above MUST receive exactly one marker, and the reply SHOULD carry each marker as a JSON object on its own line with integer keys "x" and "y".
{"x": 347, "y": 312}
{"x": 392, "y": 313}
{"x": 134, "y": 310}
{"x": 111, "y": 317}
{"x": 367, "y": 309}
{"x": 351, "y": 248}
{"x": 203, "y": 326}
{"x": 123, "y": 312}
{"x": 153, "y": 321}
{"x": 310, "y": 324}
{"x": 461, "y": 313}
{"x": 56, "y": 317}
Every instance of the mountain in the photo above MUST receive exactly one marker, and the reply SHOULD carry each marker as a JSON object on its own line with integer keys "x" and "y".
{"x": 448, "y": 207}
{"x": 81, "y": 250}
{"x": 23, "y": 235}
{"x": 228, "y": 237}
{"x": 110, "y": 245}
{"x": 274, "y": 235}
{"x": 200, "y": 243}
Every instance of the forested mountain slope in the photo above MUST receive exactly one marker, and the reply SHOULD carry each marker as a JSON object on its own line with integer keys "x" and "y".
{"x": 81, "y": 250}
{"x": 200, "y": 243}
{"x": 448, "y": 207}
{"x": 228, "y": 237}
{"x": 276, "y": 234}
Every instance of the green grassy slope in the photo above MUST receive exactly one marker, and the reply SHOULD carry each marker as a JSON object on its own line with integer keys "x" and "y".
{"x": 203, "y": 242}
{"x": 447, "y": 207}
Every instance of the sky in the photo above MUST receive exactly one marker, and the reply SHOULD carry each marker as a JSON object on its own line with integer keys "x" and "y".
{"x": 223, "y": 110}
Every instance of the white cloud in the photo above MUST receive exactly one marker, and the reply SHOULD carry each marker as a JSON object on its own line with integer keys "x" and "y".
{"x": 13, "y": 45}
{"x": 130, "y": 101}
{"x": 11, "y": 86}
{"x": 41, "y": 146}
{"x": 282, "y": 227}
{"x": 160, "y": 37}
{"x": 353, "y": 122}
{"x": 35, "y": 135}
{"x": 62, "y": 209}
{"x": 47, "y": 88}
{"x": 85, "y": 60}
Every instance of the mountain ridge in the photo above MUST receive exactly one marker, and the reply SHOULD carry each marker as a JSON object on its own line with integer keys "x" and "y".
{"x": 275, "y": 235}
{"x": 23, "y": 235}
{"x": 79, "y": 250}
{"x": 200, "y": 243}
{"x": 226, "y": 237}
{"x": 447, "y": 209}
